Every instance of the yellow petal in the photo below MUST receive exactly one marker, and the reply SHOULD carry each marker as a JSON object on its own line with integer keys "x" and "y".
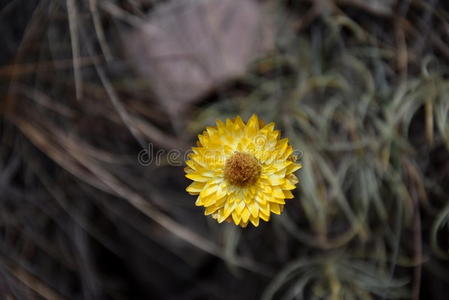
{"x": 253, "y": 209}
{"x": 210, "y": 200}
{"x": 254, "y": 220}
{"x": 264, "y": 209}
{"x": 236, "y": 217}
{"x": 293, "y": 167}
{"x": 238, "y": 122}
{"x": 265, "y": 217}
{"x": 278, "y": 193}
{"x": 209, "y": 189}
{"x": 276, "y": 179}
{"x": 220, "y": 124}
{"x": 195, "y": 187}
{"x": 220, "y": 217}
{"x": 240, "y": 206}
{"x": 275, "y": 208}
{"x": 252, "y": 126}
{"x": 288, "y": 195}
{"x": 199, "y": 202}
{"x": 197, "y": 177}
{"x": 261, "y": 200}
{"x": 245, "y": 215}
{"x": 277, "y": 200}
{"x": 210, "y": 210}
{"x": 288, "y": 185}
{"x": 227, "y": 210}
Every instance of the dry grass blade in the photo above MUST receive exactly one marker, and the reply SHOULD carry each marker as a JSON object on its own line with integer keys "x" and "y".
{"x": 93, "y": 6}
{"x": 20, "y": 70}
{"x": 31, "y": 281}
{"x": 441, "y": 220}
{"x": 74, "y": 37}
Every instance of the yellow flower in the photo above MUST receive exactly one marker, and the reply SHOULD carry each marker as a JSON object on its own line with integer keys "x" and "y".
{"x": 242, "y": 172}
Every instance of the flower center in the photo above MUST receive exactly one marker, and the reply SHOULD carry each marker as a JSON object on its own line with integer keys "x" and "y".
{"x": 242, "y": 169}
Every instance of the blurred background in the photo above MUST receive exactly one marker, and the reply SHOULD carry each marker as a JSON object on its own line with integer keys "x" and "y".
{"x": 92, "y": 91}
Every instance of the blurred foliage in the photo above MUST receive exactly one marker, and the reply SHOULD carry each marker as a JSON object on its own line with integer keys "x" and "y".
{"x": 362, "y": 95}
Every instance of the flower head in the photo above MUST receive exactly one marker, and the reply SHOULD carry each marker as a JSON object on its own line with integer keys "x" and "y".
{"x": 242, "y": 172}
